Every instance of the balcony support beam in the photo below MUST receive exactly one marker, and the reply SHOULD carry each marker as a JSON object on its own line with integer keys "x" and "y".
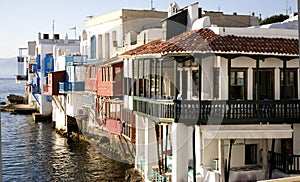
{"x": 150, "y": 78}
{"x": 155, "y": 78}
{"x": 161, "y": 78}
{"x": 257, "y": 89}
{"x": 229, "y": 77}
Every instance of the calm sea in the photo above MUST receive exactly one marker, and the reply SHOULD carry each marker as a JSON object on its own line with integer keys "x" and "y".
{"x": 35, "y": 152}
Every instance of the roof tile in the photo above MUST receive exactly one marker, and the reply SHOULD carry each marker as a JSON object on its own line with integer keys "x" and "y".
{"x": 204, "y": 40}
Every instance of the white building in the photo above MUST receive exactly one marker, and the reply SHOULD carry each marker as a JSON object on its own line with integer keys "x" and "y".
{"x": 42, "y": 54}
{"x": 224, "y": 97}
{"x": 108, "y": 36}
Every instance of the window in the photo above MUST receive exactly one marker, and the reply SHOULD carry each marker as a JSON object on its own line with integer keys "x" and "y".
{"x": 250, "y": 154}
{"x": 93, "y": 72}
{"x": 291, "y": 84}
{"x": 93, "y": 47}
{"x": 238, "y": 84}
{"x": 103, "y": 74}
{"x": 113, "y": 111}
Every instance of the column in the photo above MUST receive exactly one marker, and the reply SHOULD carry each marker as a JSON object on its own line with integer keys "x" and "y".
{"x": 221, "y": 159}
{"x": 161, "y": 78}
{"x": 257, "y": 89}
{"x": 284, "y": 91}
{"x": 277, "y": 83}
{"x": 180, "y": 152}
{"x": 265, "y": 157}
{"x": 140, "y": 144}
{"x": 250, "y": 84}
{"x": 151, "y": 158}
{"x": 229, "y": 77}
{"x": 198, "y": 148}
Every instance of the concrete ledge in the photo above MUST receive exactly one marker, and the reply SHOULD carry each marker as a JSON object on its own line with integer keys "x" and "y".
{"x": 19, "y": 109}
{"x": 37, "y": 117}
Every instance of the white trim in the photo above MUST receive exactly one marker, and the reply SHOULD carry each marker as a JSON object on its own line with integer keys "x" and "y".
{"x": 246, "y": 131}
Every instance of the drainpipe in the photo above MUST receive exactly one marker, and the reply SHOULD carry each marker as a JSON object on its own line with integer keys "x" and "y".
{"x": 194, "y": 155}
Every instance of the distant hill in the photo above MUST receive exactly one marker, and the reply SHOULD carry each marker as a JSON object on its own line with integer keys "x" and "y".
{"x": 8, "y": 67}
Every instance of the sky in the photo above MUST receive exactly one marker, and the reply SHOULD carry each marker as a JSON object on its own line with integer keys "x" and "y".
{"x": 21, "y": 21}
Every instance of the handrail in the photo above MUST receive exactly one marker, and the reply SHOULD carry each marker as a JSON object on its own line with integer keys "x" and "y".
{"x": 227, "y": 111}
{"x": 287, "y": 163}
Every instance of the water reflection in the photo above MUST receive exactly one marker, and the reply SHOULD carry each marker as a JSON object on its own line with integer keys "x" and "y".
{"x": 34, "y": 152}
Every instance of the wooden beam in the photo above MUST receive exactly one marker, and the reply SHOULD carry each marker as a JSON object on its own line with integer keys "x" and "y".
{"x": 229, "y": 77}
{"x": 257, "y": 91}
{"x": 150, "y": 77}
{"x": 161, "y": 78}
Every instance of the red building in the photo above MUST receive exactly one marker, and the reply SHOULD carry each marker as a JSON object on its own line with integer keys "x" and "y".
{"x": 91, "y": 78}
{"x": 109, "y": 106}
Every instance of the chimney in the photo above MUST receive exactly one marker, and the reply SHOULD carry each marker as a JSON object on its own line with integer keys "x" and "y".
{"x": 66, "y": 39}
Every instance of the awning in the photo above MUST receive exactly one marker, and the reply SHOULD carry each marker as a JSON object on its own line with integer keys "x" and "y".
{"x": 246, "y": 131}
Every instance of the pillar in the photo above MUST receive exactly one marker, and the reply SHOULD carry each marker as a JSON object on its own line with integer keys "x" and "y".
{"x": 277, "y": 85}
{"x": 229, "y": 77}
{"x": 151, "y": 158}
{"x": 265, "y": 157}
{"x": 140, "y": 144}
{"x": 180, "y": 152}
{"x": 221, "y": 159}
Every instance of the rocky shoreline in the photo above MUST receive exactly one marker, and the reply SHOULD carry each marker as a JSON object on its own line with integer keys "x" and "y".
{"x": 16, "y": 105}
{"x": 102, "y": 143}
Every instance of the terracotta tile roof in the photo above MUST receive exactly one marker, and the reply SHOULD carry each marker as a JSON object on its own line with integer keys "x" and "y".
{"x": 255, "y": 45}
{"x": 205, "y": 40}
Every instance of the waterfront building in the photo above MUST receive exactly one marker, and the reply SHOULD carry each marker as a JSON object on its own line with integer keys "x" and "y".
{"x": 104, "y": 38}
{"x": 215, "y": 104}
{"x": 68, "y": 81}
{"x": 42, "y": 56}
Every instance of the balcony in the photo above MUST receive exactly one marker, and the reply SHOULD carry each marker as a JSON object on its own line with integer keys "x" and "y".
{"x": 71, "y": 87}
{"x": 32, "y": 68}
{"x": 287, "y": 163}
{"x": 54, "y": 78}
{"x": 76, "y": 60}
{"x": 220, "y": 112}
{"x": 128, "y": 126}
{"x": 88, "y": 101}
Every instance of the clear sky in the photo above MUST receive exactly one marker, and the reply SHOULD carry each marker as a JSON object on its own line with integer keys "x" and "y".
{"x": 20, "y": 21}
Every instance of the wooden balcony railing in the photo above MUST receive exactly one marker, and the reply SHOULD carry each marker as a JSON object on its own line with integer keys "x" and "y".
{"x": 128, "y": 127}
{"x": 287, "y": 163}
{"x": 221, "y": 111}
{"x": 163, "y": 109}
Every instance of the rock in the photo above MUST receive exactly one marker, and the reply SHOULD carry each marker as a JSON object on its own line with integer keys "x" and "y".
{"x": 104, "y": 140}
{"x": 14, "y": 99}
{"x": 132, "y": 175}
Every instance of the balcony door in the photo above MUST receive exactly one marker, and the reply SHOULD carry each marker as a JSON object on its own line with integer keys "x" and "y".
{"x": 265, "y": 84}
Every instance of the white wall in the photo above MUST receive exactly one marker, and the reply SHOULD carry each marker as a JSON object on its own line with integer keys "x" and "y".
{"x": 74, "y": 103}
{"x": 256, "y": 32}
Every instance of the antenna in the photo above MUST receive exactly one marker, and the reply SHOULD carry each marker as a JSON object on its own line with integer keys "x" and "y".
{"x": 53, "y": 28}
{"x": 287, "y": 7}
{"x": 74, "y": 28}
{"x": 152, "y": 8}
